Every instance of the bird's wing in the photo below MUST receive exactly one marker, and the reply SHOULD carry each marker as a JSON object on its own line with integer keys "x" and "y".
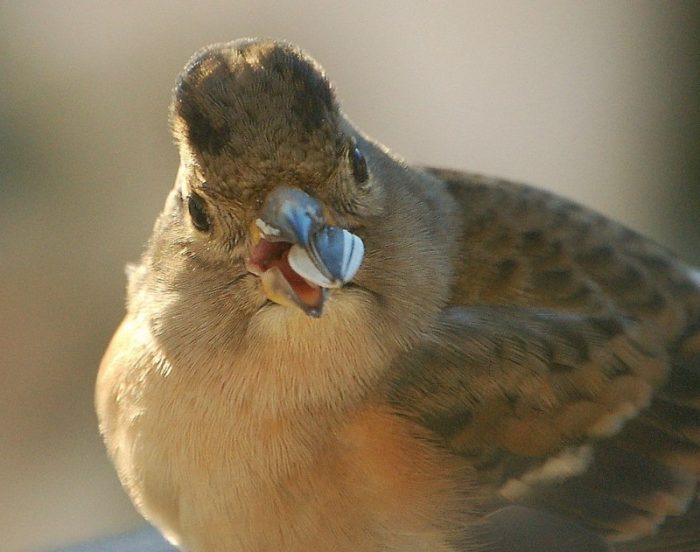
{"x": 575, "y": 414}
{"x": 522, "y": 529}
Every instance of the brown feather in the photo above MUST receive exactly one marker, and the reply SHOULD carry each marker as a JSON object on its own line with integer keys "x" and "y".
{"x": 501, "y": 352}
{"x": 567, "y": 369}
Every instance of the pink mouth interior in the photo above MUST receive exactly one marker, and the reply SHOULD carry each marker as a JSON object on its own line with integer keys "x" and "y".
{"x": 267, "y": 254}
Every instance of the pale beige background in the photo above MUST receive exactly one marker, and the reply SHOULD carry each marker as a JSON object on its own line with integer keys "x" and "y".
{"x": 597, "y": 100}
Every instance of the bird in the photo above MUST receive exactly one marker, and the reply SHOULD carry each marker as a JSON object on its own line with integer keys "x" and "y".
{"x": 328, "y": 348}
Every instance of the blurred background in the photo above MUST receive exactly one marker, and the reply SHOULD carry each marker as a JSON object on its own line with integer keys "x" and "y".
{"x": 597, "y": 100}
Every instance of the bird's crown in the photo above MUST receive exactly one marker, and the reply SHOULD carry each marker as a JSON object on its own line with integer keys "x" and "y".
{"x": 257, "y": 102}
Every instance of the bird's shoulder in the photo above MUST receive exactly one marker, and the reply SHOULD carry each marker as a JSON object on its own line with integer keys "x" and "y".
{"x": 528, "y": 247}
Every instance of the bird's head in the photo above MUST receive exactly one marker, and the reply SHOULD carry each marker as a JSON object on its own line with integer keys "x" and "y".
{"x": 282, "y": 210}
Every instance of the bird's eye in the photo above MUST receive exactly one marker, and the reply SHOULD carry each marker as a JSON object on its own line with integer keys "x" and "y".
{"x": 359, "y": 166}
{"x": 195, "y": 205}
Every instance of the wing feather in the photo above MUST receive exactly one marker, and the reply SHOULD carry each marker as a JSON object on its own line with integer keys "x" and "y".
{"x": 570, "y": 413}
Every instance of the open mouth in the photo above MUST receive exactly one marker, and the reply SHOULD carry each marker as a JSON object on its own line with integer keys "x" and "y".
{"x": 283, "y": 280}
{"x": 297, "y": 255}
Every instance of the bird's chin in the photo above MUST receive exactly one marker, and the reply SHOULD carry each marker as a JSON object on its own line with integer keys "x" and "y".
{"x": 271, "y": 318}
{"x": 334, "y": 299}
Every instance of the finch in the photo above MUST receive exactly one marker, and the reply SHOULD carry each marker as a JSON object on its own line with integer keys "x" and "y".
{"x": 327, "y": 348}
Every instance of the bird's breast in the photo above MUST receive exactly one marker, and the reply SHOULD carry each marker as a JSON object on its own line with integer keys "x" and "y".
{"x": 210, "y": 466}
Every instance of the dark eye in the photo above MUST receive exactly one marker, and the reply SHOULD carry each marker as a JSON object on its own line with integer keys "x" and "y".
{"x": 359, "y": 166}
{"x": 195, "y": 205}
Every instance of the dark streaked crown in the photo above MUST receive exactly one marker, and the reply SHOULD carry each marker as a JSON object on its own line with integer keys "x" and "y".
{"x": 254, "y": 101}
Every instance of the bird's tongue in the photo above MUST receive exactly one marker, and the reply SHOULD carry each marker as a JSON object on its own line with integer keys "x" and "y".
{"x": 269, "y": 260}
